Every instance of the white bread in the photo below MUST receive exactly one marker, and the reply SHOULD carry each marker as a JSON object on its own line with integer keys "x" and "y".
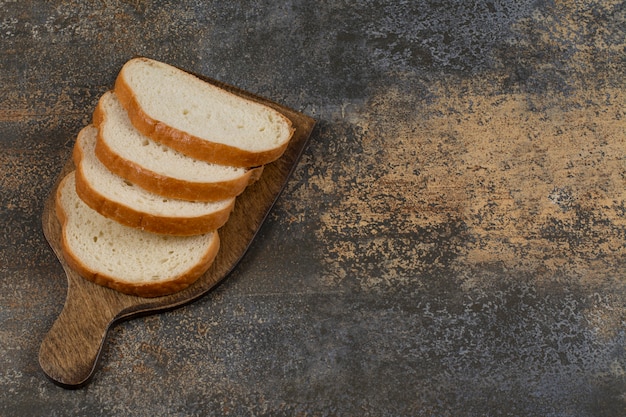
{"x": 199, "y": 119}
{"x": 116, "y": 198}
{"x": 157, "y": 168}
{"x": 127, "y": 259}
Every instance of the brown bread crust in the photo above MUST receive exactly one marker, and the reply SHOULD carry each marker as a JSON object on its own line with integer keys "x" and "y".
{"x": 128, "y": 216}
{"x": 187, "y": 143}
{"x": 139, "y": 289}
{"x": 164, "y": 185}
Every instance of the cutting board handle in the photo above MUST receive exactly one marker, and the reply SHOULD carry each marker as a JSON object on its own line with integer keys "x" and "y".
{"x": 70, "y": 350}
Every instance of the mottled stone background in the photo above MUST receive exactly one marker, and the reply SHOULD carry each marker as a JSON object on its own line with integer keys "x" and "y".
{"x": 452, "y": 243}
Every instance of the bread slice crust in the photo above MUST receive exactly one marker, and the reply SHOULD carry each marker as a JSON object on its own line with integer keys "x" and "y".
{"x": 187, "y": 143}
{"x": 210, "y": 189}
{"x": 212, "y": 215}
{"x": 141, "y": 288}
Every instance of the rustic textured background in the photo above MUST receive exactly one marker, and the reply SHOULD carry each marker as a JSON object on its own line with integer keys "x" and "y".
{"x": 452, "y": 243}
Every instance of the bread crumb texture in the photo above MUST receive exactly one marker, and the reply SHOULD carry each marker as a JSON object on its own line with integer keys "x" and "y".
{"x": 129, "y": 255}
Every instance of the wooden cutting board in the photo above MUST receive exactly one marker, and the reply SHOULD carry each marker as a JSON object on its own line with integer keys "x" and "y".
{"x": 69, "y": 352}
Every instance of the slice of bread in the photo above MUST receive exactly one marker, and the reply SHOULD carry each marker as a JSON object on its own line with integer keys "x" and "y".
{"x": 157, "y": 168}
{"x": 116, "y": 198}
{"x": 126, "y": 259}
{"x": 199, "y": 119}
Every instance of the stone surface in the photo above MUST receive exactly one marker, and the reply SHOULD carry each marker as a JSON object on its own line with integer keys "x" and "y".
{"x": 451, "y": 244}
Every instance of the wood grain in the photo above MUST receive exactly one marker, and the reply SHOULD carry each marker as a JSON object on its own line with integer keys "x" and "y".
{"x": 69, "y": 352}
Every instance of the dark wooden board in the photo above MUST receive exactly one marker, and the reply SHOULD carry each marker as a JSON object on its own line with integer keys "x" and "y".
{"x": 70, "y": 350}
